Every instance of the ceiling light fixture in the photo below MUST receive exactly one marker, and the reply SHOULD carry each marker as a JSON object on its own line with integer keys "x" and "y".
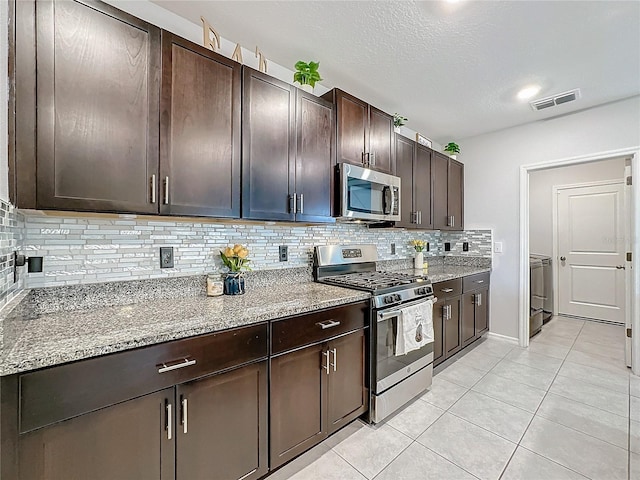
{"x": 528, "y": 92}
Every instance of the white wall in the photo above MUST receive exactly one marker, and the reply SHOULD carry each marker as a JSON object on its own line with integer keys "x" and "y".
{"x": 541, "y": 185}
{"x": 4, "y": 98}
{"x": 492, "y": 170}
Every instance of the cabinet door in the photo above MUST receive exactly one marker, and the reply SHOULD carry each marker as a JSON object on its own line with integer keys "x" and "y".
{"x": 222, "y": 425}
{"x": 128, "y": 441}
{"x": 482, "y": 311}
{"x": 200, "y": 131}
{"x": 440, "y": 165}
{"x": 381, "y": 141}
{"x": 298, "y": 396}
{"x": 404, "y": 169}
{"x": 97, "y": 115}
{"x": 455, "y": 195}
{"x": 347, "y": 395}
{"x": 439, "y": 348}
{"x": 422, "y": 187}
{"x": 468, "y": 318}
{"x": 452, "y": 337}
{"x": 314, "y": 158}
{"x": 268, "y": 141}
{"x": 352, "y": 127}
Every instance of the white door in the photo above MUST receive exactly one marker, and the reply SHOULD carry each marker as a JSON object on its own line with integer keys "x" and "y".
{"x": 591, "y": 247}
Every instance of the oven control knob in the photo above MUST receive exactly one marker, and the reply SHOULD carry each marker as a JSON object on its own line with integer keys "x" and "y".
{"x": 397, "y": 297}
{"x": 388, "y": 299}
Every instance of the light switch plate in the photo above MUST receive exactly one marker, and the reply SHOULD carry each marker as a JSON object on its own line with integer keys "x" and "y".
{"x": 497, "y": 247}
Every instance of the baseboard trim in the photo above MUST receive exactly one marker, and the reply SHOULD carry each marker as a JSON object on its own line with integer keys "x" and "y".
{"x": 502, "y": 337}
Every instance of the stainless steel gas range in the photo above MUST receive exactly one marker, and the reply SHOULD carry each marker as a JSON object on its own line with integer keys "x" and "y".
{"x": 395, "y": 378}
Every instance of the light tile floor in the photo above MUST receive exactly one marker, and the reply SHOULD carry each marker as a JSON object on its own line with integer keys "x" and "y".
{"x": 565, "y": 408}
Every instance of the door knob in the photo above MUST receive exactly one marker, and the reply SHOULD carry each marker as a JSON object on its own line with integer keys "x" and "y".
{"x": 562, "y": 259}
{"x": 620, "y": 267}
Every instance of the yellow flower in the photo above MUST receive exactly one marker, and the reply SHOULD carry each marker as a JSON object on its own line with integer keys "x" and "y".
{"x": 228, "y": 252}
{"x": 237, "y": 248}
{"x": 243, "y": 253}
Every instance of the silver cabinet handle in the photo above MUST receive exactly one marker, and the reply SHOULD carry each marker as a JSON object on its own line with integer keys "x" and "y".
{"x": 185, "y": 362}
{"x": 478, "y": 299}
{"x": 414, "y": 217}
{"x": 293, "y": 203}
{"x": 328, "y": 324}
{"x": 302, "y": 203}
{"x": 364, "y": 162}
{"x": 479, "y": 281}
{"x": 185, "y": 415}
{"x": 449, "y": 221}
{"x": 153, "y": 188}
{"x": 335, "y": 360}
{"x": 372, "y": 157}
{"x": 562, "y": 259}
{"x": 419, "y": 217}
{"x": 447, "y": 290}
{"x": 620, "y": 267}
{"x": 444, "y": 312}
{"x": 166, "y": 190}
{"x": 453, "y": 220}
{"x": 169, "y": 422}
{"x": 326, "y": 365}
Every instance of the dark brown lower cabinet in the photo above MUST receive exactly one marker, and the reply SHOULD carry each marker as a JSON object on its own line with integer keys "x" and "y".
{"x": 468, "y": 318}
{"x": 221, "y": 425}
{"x": 446, "y": 328}
{"x": 314, "y": 392}
{"x": 439, "y": 314}
{"x": 125, "y": 441}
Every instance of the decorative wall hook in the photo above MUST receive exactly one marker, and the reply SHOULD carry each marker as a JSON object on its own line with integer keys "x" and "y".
{"x": 211, "y": 38}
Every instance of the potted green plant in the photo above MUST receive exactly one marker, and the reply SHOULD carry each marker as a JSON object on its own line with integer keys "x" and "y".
{"x": 398, "y": 121}
{"x": 307, "y": 75}
{"x": 452, "y": 149}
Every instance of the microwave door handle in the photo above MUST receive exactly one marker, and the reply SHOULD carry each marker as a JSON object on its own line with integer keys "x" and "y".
{"x": 387, "y": 196}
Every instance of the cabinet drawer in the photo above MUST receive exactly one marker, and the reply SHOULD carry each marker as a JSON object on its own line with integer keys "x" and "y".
{"x": 315, "y": 327}
{"x": 57, "y": 393}
{"x": 475, "y": 282}
{"x": 450, "y": 288}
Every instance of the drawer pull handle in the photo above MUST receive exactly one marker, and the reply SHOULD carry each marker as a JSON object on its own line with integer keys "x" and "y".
{"x": 328, "y": 324}
{"x": 447, "y": 290}
{"x": 183, "y": 363}
{"x": 169, "y": 420}
{"x": 185, "y": 416}
{"x": 479, "y": 281}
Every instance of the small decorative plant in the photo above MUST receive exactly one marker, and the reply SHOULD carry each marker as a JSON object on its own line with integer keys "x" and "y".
{"x": 418, "y": 245}
{"x": 235, "y": 258}
{"x": 307, "y": 73}
{"x": 452, "y": 148}
{"x": 399, "y": 120}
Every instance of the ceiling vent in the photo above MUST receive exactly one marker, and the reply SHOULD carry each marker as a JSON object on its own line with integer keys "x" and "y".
{"x": 555, "y": 100}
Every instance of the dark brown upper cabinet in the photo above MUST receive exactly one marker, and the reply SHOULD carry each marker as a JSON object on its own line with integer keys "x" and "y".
{"x": 413, "y": 166}
{"x": 98, "y": 72}
{"x": 287, "y": 158}
{"x": 364, "y": 135}
{"x": 199, "y": 131}
{"x": 448, "y": 193}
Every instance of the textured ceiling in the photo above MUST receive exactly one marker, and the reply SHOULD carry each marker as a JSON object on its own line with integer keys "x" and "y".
{"x": 452, "y": 68}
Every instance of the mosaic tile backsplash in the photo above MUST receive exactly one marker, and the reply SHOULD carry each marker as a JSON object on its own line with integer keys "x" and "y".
{"x": 11, "y": 232}
{"x": 107, "y": 248}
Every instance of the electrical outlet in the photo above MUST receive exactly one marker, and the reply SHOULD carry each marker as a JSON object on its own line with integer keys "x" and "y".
{"x": 393, "y": 249}
{"x": 465, "y": 246}
{"x": 447, "y": 246}
{"x": 166, "y": 257}
{"x": 283, "y": 252}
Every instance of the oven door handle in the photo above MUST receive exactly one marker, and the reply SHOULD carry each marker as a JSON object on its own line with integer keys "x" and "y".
{"x": 382, "y": 316}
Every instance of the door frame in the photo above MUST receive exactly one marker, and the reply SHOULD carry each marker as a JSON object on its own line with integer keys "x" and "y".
{"x": 524, "y": 287}
{"x": 555, "y": 271}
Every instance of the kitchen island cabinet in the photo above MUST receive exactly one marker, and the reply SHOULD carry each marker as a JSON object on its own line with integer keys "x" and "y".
{"x": 448, "y": 193}
{"x": 364, "y": 134}
{"x": 413, "y": 166}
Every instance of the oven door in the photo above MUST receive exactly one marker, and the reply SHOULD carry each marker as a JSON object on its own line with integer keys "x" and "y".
{"x": 368, "y": 195}
{"x": 391, "y": 369}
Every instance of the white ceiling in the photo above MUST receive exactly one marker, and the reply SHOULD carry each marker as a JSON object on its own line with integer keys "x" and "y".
{"x": 452, "y": 68}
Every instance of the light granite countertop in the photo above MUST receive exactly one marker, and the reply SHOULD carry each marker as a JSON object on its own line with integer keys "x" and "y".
{"x": 442, "y": 273}
{"x": 31, "y": 342}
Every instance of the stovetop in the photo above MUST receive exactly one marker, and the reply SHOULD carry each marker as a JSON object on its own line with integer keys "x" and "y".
{"x": 375, "y": 281}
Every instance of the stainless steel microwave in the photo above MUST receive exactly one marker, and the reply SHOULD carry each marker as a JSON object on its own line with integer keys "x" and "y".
{"x": 368, "y": 195}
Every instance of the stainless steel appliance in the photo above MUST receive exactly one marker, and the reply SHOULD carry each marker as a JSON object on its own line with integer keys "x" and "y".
{"x": 547, "y": 287}
{"x": 368, "y": 195}
{"x": 394, "y": 379}
{"x": 536, "y": 295}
